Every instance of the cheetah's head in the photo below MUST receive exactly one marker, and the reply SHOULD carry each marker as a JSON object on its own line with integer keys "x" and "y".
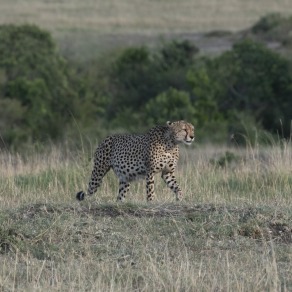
{"x": 183, "y": 131}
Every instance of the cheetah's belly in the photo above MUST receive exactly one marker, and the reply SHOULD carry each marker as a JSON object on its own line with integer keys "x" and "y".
{"x": 129, "y": 161}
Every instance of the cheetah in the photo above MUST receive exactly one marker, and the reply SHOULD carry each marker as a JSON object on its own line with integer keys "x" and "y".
{"x": 134, "y": 156}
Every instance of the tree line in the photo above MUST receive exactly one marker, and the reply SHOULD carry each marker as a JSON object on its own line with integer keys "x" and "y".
{"x": 44, "y": 96}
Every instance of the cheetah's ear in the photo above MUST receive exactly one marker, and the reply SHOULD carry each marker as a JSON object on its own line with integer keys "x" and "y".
{"x": 168, "y": 123}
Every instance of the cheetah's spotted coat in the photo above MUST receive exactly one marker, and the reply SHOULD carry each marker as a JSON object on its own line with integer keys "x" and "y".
{"x": 141, "y": 156}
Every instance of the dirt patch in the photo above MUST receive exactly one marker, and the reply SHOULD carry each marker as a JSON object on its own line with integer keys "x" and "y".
{"x": 114, "y": 210}
{"x": 281, "y": 232}
{"x": 173, "y": 210}
{"x": 255, "y": 223}
{"x": 85, "y": 46}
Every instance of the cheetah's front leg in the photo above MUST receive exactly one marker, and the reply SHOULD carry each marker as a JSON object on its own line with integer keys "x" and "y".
{"x": 170, "y": 180}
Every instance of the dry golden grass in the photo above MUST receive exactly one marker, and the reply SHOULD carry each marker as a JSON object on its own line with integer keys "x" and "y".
{"x": 138, "y": 16}
{"x": 233, "y": 231}
{"x": 215, "y": 175}
{"x": 86, "y": 29}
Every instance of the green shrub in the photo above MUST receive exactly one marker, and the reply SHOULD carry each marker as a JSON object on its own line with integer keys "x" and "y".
{"x": 12, "y": 114}
{"x": 34, "y": 76}
{"x": 274, "y": 27}
{"x": 250, "y": 79}
{"x": 170, "y": 105}
{"x": 267, "y": 23}
{"x": 178, "y": 54}
{"x": 138, "y": 76}
{"x": 262, "y": 86}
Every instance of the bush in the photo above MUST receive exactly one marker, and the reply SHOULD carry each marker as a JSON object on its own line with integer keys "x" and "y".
{"x": 170, "y": 105}
{"x": 241, "y": 93}
{"x": 138, "y": 76}
{"x": 34, "y": 77}
{"x": 133, "y": 79}
{"x": 249, "y": 79}
{"x": 274, "y": 27}
{"x": 178, "y": 54}
{"x": 262, "y": 86}
{"x": 12, "y": 114}
{"x": 267, "y": 23}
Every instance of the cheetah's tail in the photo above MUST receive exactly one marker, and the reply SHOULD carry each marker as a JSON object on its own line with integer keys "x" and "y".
{"x": 80, "y": 196}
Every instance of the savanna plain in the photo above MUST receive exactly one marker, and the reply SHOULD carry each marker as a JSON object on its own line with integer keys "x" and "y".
{"x": 85, "y": 29}
{"x": 232, "y": 231}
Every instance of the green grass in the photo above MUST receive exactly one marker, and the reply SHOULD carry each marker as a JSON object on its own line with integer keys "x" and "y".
{"x": 232, "y": 232}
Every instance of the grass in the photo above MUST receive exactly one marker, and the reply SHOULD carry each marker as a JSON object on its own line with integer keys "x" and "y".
{"x": 138, "y": 16}
{"x": 85, "y": 29}
{"x": 232, "y": 232}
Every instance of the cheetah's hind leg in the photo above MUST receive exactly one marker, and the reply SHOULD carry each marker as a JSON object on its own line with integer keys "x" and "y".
{"x": 100, "y": 167}
{"x": 96, "y": 178}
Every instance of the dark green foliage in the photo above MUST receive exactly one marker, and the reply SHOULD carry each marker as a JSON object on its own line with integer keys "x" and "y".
{"x": 170, "y": 105}
{"x": 207, "y": 88}
{"x": 133, "y": 79}
{"x": 273, "y": 27}
{"x": 11, "y": 121}
{"x": 138, "y": 76}
{"x": 267, "y": 23}
{"x": 249, "y": 79}
{"x": 178, "y": 54}
{"x": 240, "y": 95}
{"x": 276, "y": 28}
{"x": 34, "y": 78}
{"x": 262, "y": 86}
